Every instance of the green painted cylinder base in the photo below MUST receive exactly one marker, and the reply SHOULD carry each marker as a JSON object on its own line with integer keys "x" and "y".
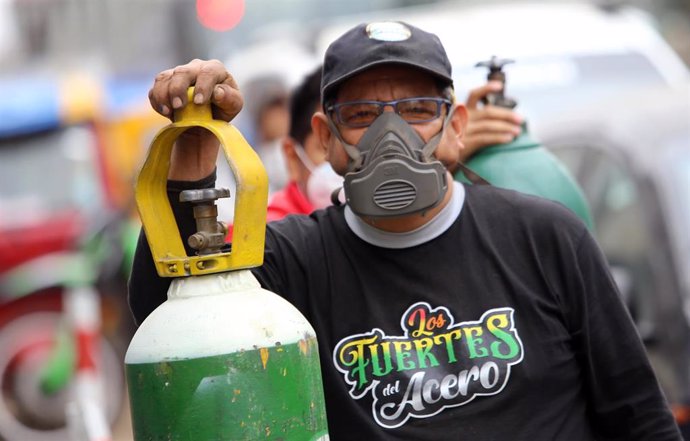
{"x": 264, "y": 394}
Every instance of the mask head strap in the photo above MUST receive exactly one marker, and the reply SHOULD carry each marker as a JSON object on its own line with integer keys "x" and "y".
{"x": 352, "y": 151}
{"x": 431, "y": 146}
{"x": 302, "y": 155}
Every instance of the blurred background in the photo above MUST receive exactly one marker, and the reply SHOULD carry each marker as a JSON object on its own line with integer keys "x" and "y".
{"x": 605, "y": 85}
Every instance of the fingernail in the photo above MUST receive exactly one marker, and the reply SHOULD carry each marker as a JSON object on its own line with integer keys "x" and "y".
{"x": 177, "y": 102}
{"x": 198, "y": 98}
{"x": 165, "y": 110}
{"x": 218, "y": 92}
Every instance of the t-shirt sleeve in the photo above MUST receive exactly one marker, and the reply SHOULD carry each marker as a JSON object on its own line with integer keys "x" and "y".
{"x": 624, "y": 398}
{"x": 270, "y": 274}
{"x": 287, "y": 255}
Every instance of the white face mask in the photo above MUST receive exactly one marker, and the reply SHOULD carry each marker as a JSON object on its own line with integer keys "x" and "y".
{"x": 272, "y": 157}
{"x": 321, "y": 184}
{"x": 322, "y": 181}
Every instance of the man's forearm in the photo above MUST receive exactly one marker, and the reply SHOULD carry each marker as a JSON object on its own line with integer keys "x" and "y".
{"x": 194, "y": 155}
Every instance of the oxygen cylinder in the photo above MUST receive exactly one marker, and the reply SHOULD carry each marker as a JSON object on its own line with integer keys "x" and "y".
{"x": 524, "y": 164}
{"x": 222, "y": 358}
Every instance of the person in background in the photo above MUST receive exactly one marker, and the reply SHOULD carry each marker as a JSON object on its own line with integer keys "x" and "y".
{"x": 267, "y": 103}
{"x": 443, "y": 310}
{"x": 264, "y": 125}
{"x": 310, "y": 177}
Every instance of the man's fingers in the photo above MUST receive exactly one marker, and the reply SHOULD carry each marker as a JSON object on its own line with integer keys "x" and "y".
{"x": 211, "y": 81}
{"x": 492, "y": 126}
{"x": 210, "y": 73}
{"x": 158, "y": 95}
{"x": 488, "y": 125}
{"x": 495, "y": 113}
{"x": 475, "y": 142}
{"x": 488, "y": 138}
{"x": 227, "y": 102}
{"x": 477, "y": 94}
{"x": 183, "y": 78}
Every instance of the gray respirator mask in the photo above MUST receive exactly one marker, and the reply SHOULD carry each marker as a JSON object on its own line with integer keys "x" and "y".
{"x": 393, "y": 172}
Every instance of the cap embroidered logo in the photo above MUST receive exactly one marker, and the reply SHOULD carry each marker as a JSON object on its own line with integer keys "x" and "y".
{"x": 388, "y": 31}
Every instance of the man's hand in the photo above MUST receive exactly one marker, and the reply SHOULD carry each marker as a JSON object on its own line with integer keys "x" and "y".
{"x": 211, "y": 81}
{"x": 487, "y": 125}
{"x": 196, "y": 150}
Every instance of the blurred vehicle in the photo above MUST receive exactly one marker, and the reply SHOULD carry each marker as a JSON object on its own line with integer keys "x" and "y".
{"x": 631, "y": 155}
{"x": 565, "y": 54}
{"x": 69, "y": 147}
{"x": 60, "y": 375}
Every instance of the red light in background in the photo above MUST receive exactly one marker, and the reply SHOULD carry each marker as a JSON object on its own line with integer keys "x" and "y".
{"x": 219, "y": 15}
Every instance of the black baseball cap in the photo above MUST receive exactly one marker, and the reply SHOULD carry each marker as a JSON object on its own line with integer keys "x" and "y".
{"x": 378, "y": 43}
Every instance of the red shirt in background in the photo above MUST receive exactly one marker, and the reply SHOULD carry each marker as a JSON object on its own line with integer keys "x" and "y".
{"x": 289, "y": 200}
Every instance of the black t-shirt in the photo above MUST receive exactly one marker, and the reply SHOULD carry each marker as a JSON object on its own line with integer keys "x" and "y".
{"x": 507, "y": 326}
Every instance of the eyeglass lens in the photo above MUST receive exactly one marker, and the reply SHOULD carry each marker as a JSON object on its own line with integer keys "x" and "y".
{"x": 359, "y": 114}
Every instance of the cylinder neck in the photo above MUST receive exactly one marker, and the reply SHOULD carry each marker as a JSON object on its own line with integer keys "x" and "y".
{"x": 212, "y": 284}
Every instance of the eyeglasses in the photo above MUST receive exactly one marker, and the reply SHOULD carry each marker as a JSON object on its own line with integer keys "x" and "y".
{"x": 363, "y": 113}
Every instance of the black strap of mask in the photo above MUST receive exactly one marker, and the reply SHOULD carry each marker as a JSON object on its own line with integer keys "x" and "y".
{"x": 335, "y": 197}
{"x": 472, "y": 176}
{"x": 352, "y": 151}
{"x": 431, "y": 146}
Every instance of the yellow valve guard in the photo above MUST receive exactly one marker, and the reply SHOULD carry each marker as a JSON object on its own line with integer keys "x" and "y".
{"x": 251, "y": 198}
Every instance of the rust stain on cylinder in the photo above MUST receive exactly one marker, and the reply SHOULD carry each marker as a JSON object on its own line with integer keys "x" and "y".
{"x": 264, "y": 356}
{"x": 303, "y": 347}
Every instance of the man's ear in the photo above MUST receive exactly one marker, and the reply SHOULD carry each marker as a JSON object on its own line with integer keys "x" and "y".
{"x": 458, "y": 120}
{"x": 452, "y": 148}
{"x": 319, "y": 125}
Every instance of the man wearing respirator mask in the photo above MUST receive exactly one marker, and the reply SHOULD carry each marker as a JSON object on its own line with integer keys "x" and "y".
{"x": 443, "y": 311}
{"x": 313, "y": 183}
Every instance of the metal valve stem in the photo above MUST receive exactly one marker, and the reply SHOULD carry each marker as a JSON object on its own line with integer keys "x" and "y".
{"x": 495, "y": 66}
{"x": 210, "y": 235}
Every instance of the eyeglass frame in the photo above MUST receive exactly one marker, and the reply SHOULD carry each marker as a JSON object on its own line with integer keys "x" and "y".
{"x": 335, "y": 109}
